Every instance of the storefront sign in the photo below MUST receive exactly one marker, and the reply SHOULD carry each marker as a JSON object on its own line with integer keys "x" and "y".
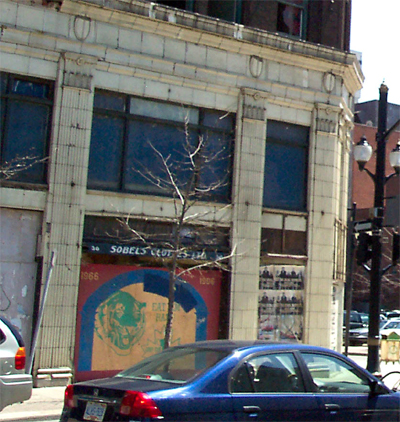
{"x": 150, "y": 251}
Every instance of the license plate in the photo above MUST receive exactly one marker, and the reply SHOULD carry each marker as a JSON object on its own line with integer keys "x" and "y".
{"x": 94, "y": 411}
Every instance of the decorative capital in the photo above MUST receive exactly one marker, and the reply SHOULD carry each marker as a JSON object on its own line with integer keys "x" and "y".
{"x": 254, "y": 104}
{"x": 78, "y": 70}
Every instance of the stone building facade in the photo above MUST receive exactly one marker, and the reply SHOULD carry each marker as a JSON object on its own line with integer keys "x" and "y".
{"x": 86, "y": 86}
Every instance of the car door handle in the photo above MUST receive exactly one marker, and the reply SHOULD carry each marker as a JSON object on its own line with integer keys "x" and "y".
{"x": 332, "y": 407}
{"x": 251, "y": 409}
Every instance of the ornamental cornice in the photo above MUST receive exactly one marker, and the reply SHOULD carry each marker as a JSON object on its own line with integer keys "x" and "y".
{"x": 204, "y": 30}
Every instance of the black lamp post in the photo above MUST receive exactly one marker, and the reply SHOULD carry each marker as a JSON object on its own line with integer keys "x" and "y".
{"x": 362, "y": 153}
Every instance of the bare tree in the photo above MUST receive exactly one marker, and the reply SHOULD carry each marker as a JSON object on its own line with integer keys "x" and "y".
{"x": 10, "y": 169}
{"x": 185, "y": 180}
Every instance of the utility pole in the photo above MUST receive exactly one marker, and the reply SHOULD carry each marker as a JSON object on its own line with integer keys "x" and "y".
{"x": 362, "y": 153}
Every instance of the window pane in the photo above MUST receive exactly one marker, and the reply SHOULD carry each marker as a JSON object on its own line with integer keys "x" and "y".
{"x": 271, "y": 240}
{"x": 295, "y": 243}
{"x": 218, "y": 120}
{"x": 164, "y": 111}
{"x": 215, "y": 169}
{"x": 334, "y": 376}
{"x": 30, "y": 88}
{"x": 285, "y": 177}
{"x": 3, "y": 83}
{"x": 25, "y": 140}
{"x": 287, "y": 133}
{"x": 223, "y": 9}
{"x": 109, "y": 101}
{"x": 105, "y": 152}
{"x": 151, "y": 148}
{"x": 272, "y": 373}
{"x": 289, "y": 19}
{"x": 179, "y": 4}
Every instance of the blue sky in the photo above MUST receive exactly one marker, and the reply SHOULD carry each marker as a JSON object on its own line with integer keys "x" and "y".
{"x": 375, "y": 32}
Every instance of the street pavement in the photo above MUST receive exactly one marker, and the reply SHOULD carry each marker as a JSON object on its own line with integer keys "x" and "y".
{"x": 46, "y": 403}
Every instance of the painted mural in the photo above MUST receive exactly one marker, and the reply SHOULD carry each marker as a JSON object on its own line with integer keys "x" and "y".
{"x": 281, "y": 303}
{"x": 122, "y": 313}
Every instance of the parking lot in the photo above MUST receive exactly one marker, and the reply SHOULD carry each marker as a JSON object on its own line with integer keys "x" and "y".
{"x": 360, "y": 355}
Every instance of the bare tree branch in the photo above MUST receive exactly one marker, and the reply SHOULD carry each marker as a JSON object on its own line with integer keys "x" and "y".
{"x": 19, "y": 164}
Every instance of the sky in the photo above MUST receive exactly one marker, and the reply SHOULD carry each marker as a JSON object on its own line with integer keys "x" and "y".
{"x": 375, "y": 32}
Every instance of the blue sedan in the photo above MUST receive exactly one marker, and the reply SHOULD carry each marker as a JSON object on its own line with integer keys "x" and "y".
{"x": 227, "y": 380}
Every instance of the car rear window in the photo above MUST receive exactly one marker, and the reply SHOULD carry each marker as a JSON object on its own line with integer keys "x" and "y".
{"x": 15, "y": 332}
{"x": 177, "y": 365}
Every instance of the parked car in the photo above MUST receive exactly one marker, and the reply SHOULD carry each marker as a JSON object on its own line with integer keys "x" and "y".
{"x": 393, "y": 314}
{"x": 364, "y": 319}
{"x": 355, "y": 320}
{"x": 226, "y": 380}
{"x": 359, "y": 336}
{"x": 15, "y": 384}
{"x": 393, "y": 325}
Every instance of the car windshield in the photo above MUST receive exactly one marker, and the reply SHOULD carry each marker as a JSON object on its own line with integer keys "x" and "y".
{"x": 382, "y": 324}
{"x": 178, "y": 365}
{"x": 392, "y": 324}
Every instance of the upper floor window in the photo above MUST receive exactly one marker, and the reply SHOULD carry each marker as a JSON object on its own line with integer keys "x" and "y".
{"x": 292, "y": 17}
{"x": 285, "y": 173}
{"x": 26, "y": 106}
{"x": 228, "y": 10}
{"x": 139, "y": 145}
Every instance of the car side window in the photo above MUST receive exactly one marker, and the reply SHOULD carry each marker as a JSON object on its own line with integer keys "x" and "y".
{"x": 2, "y": 336}
{"x": 272, "y": 373}
{"x": 332, "y": 375}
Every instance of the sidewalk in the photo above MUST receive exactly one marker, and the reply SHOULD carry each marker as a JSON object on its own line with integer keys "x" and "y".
{"x": 46, "y": 403}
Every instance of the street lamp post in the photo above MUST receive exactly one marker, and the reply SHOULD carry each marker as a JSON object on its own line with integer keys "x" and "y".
{"x": 362, "y": 153}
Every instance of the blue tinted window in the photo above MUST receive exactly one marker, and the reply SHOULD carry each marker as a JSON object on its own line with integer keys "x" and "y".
{"x": 218, "y": 120}
{"x": 26, "y": 121}
{"x": 109, "y": 102}
{"x": 150, "y": 148}
{"x": 105, "y": 152}
{"x": 215, "y": 173}
{"x": 3, "y": 83}
{"x": 154, "y": 136}
{"x": 29, "y": 88}
{"x": 285, "y": 174}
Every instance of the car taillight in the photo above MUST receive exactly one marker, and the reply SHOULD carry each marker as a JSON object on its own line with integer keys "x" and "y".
{"x": 139, "y": 405}
{"x": 20, "y": 358}
{"x": 69, "y": 397}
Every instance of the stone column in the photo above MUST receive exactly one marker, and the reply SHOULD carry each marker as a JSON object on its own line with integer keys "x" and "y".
{"x": 247, "y": 209}
{"x": 64, "y": 213}
{"x": 325, "y": 189}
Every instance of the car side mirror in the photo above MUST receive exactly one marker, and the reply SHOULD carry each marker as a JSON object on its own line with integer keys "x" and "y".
{"x": 377, "y": 388}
